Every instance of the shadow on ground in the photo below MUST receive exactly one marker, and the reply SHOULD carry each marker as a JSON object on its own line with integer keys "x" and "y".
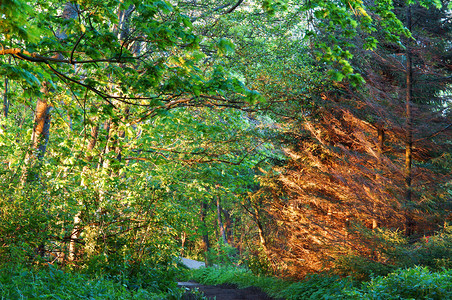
{"x": 225, "y": 292}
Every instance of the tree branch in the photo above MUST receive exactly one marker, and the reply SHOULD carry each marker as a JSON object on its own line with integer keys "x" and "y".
{"x": 34, "y": 57}
{"x": 234, "y": 7}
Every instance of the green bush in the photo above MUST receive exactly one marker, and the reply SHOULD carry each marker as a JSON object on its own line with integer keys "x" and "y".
{"x": 433, "y": 251}
{"x": 223, "y": 254}
{"x": 317, "y": 286}
{"x": 258, "y": 262}
{"x": 17, "y": 282}
{"x": 133, "y": 274}
{"x": 51, "y": 283}
{"x": 413, "y": 283}
{"x": 391, "y": 251}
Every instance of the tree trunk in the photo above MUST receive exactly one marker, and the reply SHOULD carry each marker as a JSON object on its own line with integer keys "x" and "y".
{"x": 205, "y": 232}
{"x": 39, "y": 138}
{"x": 381, "y": 139}
{"x": 5, "y": 96}
{"x": 41, "y": 129}
{"x": 409, "y": 221}
{"x": 220, "y": 222}
{"x": 228, "y": 227}
{"x": 260, "y": 231}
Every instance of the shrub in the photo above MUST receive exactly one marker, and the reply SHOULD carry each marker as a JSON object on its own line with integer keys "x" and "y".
{"x": 391, "y": 251}
{"x": 51, "y": 283}
{"x": 413, "y": 283}
{"x": 223, "y": 254}
{"x": 433, "y": 251}
{"x": 133, "y": 274}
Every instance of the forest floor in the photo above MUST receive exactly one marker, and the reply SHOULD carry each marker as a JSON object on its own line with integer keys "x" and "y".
{"x": 220, "y": 292}
{"x": 224, "y": 292}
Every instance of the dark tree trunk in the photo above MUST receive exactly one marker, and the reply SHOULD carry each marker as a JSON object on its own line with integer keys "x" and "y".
{"x": 5, "y": 96}
{"x": 228, "y": 226}
{"x": 409, "y": 221}
{"x": 205, "y": 232}
{"x": 220, "y": 222}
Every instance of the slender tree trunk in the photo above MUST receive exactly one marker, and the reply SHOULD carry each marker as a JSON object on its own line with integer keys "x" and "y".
{"x": 381, "y": 139}
{"x": 41, "y": 130}
{"x": 228, "y": 227}
{"x": 5, "y": 96}
{"x": 39, "y": 138}
{"x": 409, "y": 222}
{"x": 220, "y": 222}
{"x": 205, "y": 232}
{"x": 183, "y": 238}
{"x": 260, "y": 231}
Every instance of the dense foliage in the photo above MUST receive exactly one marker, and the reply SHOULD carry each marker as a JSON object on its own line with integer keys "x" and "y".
{"x": 414, "y": 283}
{"x": 287, "y": 137}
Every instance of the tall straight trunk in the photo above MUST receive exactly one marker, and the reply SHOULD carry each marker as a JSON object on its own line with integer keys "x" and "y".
{"x": 39, "y": 138}
{"x": 409, "y": 221}
{"x": 381, "y": 139}
{"x": 228, "y": 226}
{"x": 220, "y": 222}
{"x": 205, "y": 232}
{"x": 380, "y": 150}
{"x": 5, "y": 96}
{"x": 41, "y": 129}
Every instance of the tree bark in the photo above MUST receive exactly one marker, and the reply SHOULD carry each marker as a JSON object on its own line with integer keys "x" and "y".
{"x": 41, "y": 129}
{"x": 5, "y": 96}
{"x": 409, "y": 221}
{"x": 260, "y": 231}
{"x": 228, "y": 227}
{"x": 205, "y": 232}
{"x": 220, "y": 222}
{"x": 381, "y": 139}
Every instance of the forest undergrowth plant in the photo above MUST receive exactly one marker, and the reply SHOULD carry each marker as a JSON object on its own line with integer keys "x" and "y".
{"x": 313, "y": 287}
{"x": 18, "y": 282}
{"x": 412, "y": 283}
{"x": 132, "y": 274}
{"x": 223, "y": 254}
{"x": 391, "y": 250}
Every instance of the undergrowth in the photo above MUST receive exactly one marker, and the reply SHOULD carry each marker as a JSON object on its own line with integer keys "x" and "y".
{"x": 412, "y": 283}
{"x": 314, "y": 287}
{"x": 19, "y": 282}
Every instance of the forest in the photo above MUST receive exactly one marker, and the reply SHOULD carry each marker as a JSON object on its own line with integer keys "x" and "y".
{"x": 299, "y": 146}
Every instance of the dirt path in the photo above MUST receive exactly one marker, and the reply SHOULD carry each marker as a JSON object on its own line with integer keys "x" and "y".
{"x": 225, "y": 292}
{"x": 192, "y": 264}
{"x": 220, "y": 292}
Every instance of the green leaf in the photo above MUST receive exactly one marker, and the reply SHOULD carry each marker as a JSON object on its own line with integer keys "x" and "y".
{"x": 336, "y": 75}
{"x": 225, "y": 47}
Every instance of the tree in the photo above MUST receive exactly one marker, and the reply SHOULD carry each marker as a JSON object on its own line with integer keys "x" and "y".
{"x": 350, "y": 160}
